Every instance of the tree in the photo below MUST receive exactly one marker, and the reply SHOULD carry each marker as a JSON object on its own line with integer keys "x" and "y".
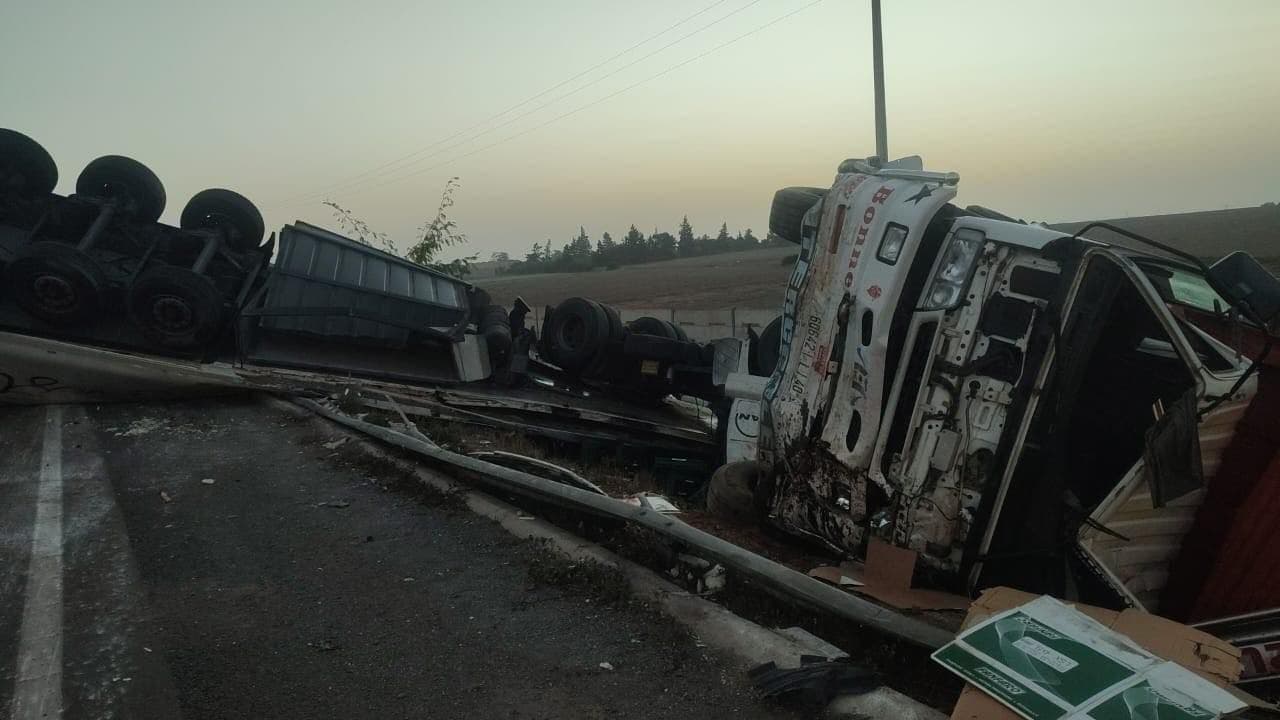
{"x": 749, "y": 240}
{"x": 687, "y": 245}
{"x": 500, "y": 257}
{"x": 606, "y": 250}
{"x": 577, "y": 252}
{"x": 534, "y": 256}
{"x": 433, "y": 236}
{"x": 662, "y": 245}
{"x": 723, "y": 242}
{"x": 439, "y": 233}
{"x": 362, "y": 233}
{"x": 634, "y": 246}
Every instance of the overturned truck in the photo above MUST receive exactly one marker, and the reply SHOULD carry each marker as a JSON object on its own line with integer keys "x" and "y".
{"x": 1019, "y": 406}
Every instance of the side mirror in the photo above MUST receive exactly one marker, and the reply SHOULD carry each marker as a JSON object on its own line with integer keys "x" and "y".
{"x": 1246, "y": 283}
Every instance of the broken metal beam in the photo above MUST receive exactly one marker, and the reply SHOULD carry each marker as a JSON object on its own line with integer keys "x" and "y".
{"x": 751, "y": 566}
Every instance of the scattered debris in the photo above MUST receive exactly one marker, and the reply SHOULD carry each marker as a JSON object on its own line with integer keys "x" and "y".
{"x": 335, "y": 444}
{"x": 606, "y": 666}
{"x": 1042, "y": 658}
{"x": 652, "y": 501}
{"x": 714, "y": 581}
{"x": 887, "y": 578}
{"x": 208, "y": 481}
{"x": 325, "y": 645}
{"x": 140, "y": 427}
{"x": 539, "y": 467}
{"x": 166, "y": 497}
{"x": 815, "y": 683}
{"x": 834, "y": 575}
{"x": 334, "y": 504}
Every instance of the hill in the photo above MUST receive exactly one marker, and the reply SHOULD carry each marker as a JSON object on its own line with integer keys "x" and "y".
{"x": 1209, "y": 234}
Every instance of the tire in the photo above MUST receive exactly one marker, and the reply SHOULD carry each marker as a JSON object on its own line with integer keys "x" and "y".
{"x": 176, "y": 307}
{"x": 25, "y": 166}
{"x": 680, "y": 334}
{"x": 651, "y": 326}
{"x": 763, "y": 355}
{"x": 56, "y": 283}
{"x": 578, "y": 331}
{"x": 616, "y": 326}
{"x": 230, "y": 212}
{"x": 790, "y": 205}
{"x": 479, "y": 301}
{"x": 128, "y": 182}
{"x": 495, "y": 327}
{"x": 731, "y": 494}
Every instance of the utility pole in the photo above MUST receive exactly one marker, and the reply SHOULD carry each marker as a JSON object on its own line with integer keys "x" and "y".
{"x": 877, "y": 49}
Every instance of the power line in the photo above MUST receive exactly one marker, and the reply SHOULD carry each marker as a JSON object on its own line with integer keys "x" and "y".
{"x": 593, "y": 103}
{"x": 352, "y": 179}
{"x": 349, "y": 187}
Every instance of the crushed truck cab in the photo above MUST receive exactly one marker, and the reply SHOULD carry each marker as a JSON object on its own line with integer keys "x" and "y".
{"x": 982, "y": 391}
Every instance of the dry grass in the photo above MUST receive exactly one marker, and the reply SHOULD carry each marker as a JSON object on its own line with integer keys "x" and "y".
{"x": 748, "y": 279}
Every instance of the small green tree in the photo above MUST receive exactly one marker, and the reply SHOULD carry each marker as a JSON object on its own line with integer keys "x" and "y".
{"x": 359, "y": 230}
{"x": 433, "y": 236}
{"x": 439, "y": 233}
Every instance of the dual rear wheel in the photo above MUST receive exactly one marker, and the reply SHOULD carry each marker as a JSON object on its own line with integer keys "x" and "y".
{"x": 63, "y": 285}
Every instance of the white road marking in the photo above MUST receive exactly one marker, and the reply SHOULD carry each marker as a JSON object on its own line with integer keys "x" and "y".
{"x": 37, "y": 691}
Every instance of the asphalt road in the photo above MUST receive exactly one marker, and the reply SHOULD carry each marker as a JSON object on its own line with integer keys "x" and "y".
{"x": 218, "y": 560}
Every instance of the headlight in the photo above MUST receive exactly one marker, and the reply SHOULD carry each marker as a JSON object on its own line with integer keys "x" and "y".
{"x": 895, "y": 236}
{"x": 952, "y": 277}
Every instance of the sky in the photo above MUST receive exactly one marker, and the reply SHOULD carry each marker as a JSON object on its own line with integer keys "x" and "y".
{"x": 557, "y": 114}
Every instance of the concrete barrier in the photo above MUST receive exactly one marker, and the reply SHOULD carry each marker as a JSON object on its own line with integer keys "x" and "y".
{"x": 699, "y": 325}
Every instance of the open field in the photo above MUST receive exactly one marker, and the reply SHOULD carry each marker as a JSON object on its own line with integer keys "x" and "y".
{"x": 748, "y": 279}
{"x": 755, "y": 278}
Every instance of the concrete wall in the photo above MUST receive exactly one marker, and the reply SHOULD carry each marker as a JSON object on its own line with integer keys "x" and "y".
{"x": 699, "y": 325}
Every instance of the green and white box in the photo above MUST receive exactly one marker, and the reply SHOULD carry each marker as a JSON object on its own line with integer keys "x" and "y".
{"x": 1045, "y": 660}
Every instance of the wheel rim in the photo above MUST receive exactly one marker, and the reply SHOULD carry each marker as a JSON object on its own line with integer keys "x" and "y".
{"x": 54, "y": 293}
{"x": 573, "y": 333}
{"x": 171, "y": 314}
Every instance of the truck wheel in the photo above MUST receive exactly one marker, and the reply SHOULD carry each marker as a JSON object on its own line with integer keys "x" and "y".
{"x": 128, "y": 182}
{"x": 616, "y": 326}
{"x": 762, "y": 357}
{"x": 731, "y": 492}
{"x": 652, "y": 326}
{"x": 25, "y": 167}
{"x": 789, "y": 208}
{"x": 175, "y": 307}
{"x": 232, "y": 213}
{"x": 56, "y": 283}
{"x": 495, "y": 326}
{"x": 578, "y": 330}
{"x": 681, "y": 335}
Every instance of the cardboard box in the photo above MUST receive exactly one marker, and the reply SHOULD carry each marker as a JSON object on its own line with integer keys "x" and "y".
{"x": 1209, "y": 657}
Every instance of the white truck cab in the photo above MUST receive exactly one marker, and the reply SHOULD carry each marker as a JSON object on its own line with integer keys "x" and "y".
{"x": 984, "y": 391}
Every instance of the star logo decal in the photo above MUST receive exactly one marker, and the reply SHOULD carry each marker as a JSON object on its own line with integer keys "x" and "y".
{"x": 924, "y": 192}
